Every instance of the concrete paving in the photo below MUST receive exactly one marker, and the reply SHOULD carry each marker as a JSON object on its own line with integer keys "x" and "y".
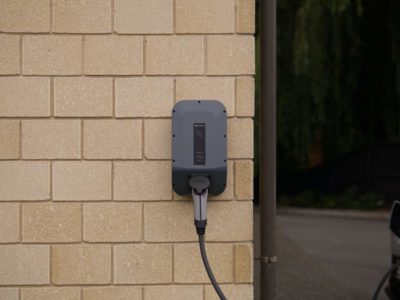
{"x": 328, "y": 257}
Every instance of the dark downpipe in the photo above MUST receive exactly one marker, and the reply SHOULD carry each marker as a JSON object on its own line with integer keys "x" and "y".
{"x": 268, "y": 149}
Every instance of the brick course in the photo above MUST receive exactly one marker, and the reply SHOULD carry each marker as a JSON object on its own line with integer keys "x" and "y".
{"x": 24, "y": 16}
{"x": 24, "y": 264}
{"x": 51, "y": 139}
{"x": 81, "y": 264}
{"x": 85, "y": 181}
{"x": 52, "y": 55}
{"x": 90, "y": 16}
{"x": 115, "y": 293}
{"x": 48, "y": 223}
{"x": 59, "y": 293}
{"x": 108, "y": 139}
{"x": 175, "y": 55}
{"x": 9, "y": 139}
{"x": 9, "y": 223}
{"x": 205, "y": 16}
{"x": 113, "y": 55}
{"x": 83, "y": 97}
{"x": 230, "y": 55}
{"x": 25, "y": 97}
{"x": 112, "y": 222}
{"x": 9, "y": 54}
{"x": 143, "y": 16}
{"x": 144, "y": 97}
{"x": 139, "y": 264}
{"x": 24, "y": 180}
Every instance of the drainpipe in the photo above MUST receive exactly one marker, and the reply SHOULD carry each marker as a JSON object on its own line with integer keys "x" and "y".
{"x": 268, "y": 149}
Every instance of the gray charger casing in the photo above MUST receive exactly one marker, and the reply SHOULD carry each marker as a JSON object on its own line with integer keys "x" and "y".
{"x": 199, "y": 144}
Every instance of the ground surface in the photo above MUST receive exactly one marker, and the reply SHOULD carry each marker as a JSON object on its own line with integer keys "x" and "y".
{"x": 328, "y": 257}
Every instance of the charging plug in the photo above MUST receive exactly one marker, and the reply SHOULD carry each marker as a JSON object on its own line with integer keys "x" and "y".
{"x": 199, "y": 185}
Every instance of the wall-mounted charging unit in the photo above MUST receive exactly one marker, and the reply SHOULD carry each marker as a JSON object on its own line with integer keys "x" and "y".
{"x": 199, "y": 160}
{"x": 199, "y": 144}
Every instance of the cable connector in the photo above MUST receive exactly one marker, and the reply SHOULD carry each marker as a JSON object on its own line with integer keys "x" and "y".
{"x": 199, "y": 185}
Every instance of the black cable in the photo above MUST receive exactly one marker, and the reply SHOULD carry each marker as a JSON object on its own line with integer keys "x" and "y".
{"x": 208, "y": 268}
{"x": 382, "y": 282}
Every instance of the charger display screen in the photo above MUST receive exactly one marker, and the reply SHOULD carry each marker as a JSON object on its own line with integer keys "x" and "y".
{"x": 199, "y": 144}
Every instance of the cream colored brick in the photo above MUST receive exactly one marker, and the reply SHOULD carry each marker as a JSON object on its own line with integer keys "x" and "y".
{"x": 243, "y": 264}
{"x": 223, "y": 222}
{"x": 244, "y": 180}
{"x": 8, "y": 294}
{"x": 232, "y": 292}
{"x": 24, "y": 16}
{"x": 51, "y": 293}
{"x": 24, "y": 97}
{"x": 189, "y": 267}
{"x": 205, "y": 16}
{"x": 169, "y": 222}
{"x": 246, "y": 12}
{"x": 28, "y": 180}
{"x": 9, "y": 139}
{"x": 230, "y": 55}
{"x": 51, "y": 222}
{"x": 24, "y": 264}
{"x": 166, "y": 222}
{"x": 173, "y": 292}
{"x": 112, "y": 222}
{"x": 142, "y": 180}
{"x": 113, "y": 55}
{"x": 83, "y": 97}
{"x": 208, "y": 88}
{"x": 240, "y": 138}
{"x": 143, "y": 16}
{"x": 175, "y": 55}
{"x": 144, "y": 97}
{"x": 245, "y": 96}
{"x": 74, "y": 181}
{"x": 114, "y": 293}
{"x": 81, "y": 264}
{"x": 141, "y": 263}
{"x": 9, "y": 54}
{"x": 109, "y": 139}
{"x": 157, "y": 139}
{"x": 51, "y": 139}
{"x": 90, "y": 16}
{"x": 52, "y": 55}
{"x": 9, "y": 223}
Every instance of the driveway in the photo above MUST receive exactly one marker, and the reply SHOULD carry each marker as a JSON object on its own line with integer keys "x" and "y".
{"x": 328, "y": 257}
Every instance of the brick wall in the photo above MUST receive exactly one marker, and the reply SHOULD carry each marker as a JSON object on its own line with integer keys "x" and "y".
{"x": 86, "y": 90}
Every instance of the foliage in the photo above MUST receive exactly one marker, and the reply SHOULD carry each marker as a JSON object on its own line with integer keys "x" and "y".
{"x": 338, "y": 77}
{"x": 346, "y": 200}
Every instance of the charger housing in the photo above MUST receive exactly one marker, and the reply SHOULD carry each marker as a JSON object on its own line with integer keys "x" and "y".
{"x": 199, "y": 144}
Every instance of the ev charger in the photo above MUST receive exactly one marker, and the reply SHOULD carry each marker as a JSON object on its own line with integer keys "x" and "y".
{"x": 199, "y": 152}
{"x": 199, "y": 160}
{"x": 199, "y": 144}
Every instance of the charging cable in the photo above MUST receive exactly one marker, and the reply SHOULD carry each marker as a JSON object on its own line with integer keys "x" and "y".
{"x": 199, "y": 185}
{"x": 383, "y": 280}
